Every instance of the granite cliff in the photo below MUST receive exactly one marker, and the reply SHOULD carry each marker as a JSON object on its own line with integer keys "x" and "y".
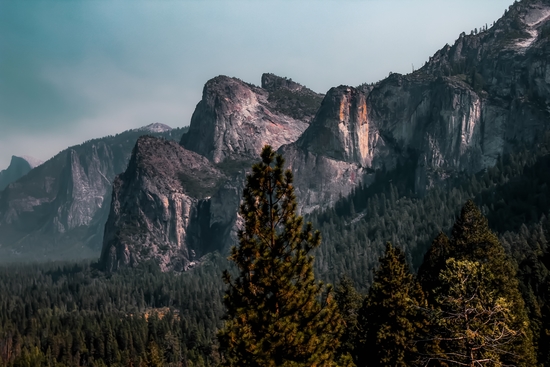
{"x": 157, "y": 206}
{"x": 59, "y": 209}
{"x": 470, "y": 103}
{"x": 234, "y": 119}
{"x": 336, "y": 152}
{"x": 229, "y": 127}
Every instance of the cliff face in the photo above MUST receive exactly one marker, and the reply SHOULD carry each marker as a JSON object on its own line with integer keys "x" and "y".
{"x": 333, "y": 154}
{"x": 229, "y": 127}
{"x": 234, "y": 120}
{"x": 59, "y": 209}
{"x": 472, "y": 101}
{"x": 158, "y": 207}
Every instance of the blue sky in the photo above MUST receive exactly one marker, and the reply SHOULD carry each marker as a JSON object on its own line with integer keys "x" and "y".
{"x": 72, "y": 70}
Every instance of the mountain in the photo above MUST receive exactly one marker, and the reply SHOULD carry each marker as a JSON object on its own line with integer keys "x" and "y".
{"x": 472, "y": 101}
{"x": 19, "y": 167}
{"x": 155, "y": 127}
{"x": 229, "y": 127}
{"x": 470, "y": 104}
{"x": 59, "y": 209}
{"x": 158, "y": 207}
{"x": 234, "y": 119}
{"x": 335, "y": 153}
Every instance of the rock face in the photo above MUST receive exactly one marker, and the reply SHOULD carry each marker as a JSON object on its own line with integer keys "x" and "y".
{"x": 472, "y": 101}
{"x": 19, "y": 167}
{"x": 334, "y": 153}
{"x": 234, "y": 120}
{"x": 59, "y": 209}
{"x": 174, "y": 221}
{"x": 158, "y": 206}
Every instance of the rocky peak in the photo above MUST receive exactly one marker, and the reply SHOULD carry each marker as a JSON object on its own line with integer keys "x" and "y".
{"x": 340, "y": 130}
{"x": 523, "y": 27}
{"x": 155, "y": 128}
{"x": 234, "y": 120}
{"x": 156, "y": 206}
{"x": 19, "y": 166}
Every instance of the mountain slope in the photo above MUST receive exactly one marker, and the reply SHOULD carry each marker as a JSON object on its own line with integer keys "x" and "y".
{"x": 58, "y": 210}
{"x": 156, "y": 209}
{"x": 19, "y": 167}
{"x": 234, "y": 120}
{"x": 229, "y": 127}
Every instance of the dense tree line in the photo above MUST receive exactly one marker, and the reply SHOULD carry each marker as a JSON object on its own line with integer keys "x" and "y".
{"x": 71, "y": 314}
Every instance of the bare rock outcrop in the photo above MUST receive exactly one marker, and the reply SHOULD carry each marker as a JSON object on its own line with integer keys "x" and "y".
{"x": 336, "y": 151}
{"x": 234, "y": 120}
{"x": 58, "y": 210}
{"x": 158, "y": 207}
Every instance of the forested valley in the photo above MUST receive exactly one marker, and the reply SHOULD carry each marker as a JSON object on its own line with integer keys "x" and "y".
{"x": 72, "y": 314}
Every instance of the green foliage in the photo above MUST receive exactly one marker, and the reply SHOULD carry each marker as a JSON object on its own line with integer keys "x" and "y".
{"x": 478, "y": 287}
{"x": 475, "y": 326}
{"x": 297, "y": 104}
{"x": 349, "y": 302}
{"x": 274, "y": 313}
{"x": 69, "y": 315}
{"x": 389, "y": 320}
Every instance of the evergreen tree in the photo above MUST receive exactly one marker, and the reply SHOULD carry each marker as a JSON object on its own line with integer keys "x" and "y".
{"x": 390, "y": 318}
{"x": 349, "y": 302}
{"x": 474, "y": 324}
{"x": 434, "y": 262}
{"x": 473, "y": 241}
{"x": 277, "y": 314}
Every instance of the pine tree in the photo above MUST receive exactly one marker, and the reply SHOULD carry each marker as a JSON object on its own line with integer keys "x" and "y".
{"x": 390, "y": 318}
{"x": 434, "y": 262}
{"x": 474, "y": 323}
{"x": 277, "y": 313}
{"x": 349, "y": 302}
{"x": 473, "y": 241}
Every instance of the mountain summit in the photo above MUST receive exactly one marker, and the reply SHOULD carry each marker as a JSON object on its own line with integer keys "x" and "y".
{"x": 19, "y": 167}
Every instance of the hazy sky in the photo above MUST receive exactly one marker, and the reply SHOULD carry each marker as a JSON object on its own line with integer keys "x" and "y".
{"x": 72, "y": 70}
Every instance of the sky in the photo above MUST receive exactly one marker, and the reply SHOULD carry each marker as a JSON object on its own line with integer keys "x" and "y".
{"x": 73, "y": 70}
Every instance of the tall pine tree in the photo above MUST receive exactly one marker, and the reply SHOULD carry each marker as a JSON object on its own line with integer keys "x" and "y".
{"x": 472, "y": 241}
{"x": 277, "y": 313}
{"x": 390, "y": 318}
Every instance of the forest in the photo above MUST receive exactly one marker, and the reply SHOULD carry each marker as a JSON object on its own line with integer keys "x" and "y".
{"x": 67, "y": 314}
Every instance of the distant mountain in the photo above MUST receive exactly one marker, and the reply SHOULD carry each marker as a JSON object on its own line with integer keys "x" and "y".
{"x": 19, "y": 167}
{"x": 58, "y": 210}
{"x": 471, "y": 103}
{"x": 155, "y": 128}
